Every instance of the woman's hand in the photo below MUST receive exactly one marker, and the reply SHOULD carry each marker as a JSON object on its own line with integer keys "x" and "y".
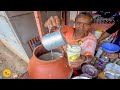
{"x": 53, "y": 21}
{"x": 76, "y": 64}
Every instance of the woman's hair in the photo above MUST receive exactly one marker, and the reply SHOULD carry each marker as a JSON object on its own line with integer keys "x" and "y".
{"x": 84, "y": 14}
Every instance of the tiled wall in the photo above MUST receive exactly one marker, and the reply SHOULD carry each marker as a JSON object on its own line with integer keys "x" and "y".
{"x": 10, "y": 39}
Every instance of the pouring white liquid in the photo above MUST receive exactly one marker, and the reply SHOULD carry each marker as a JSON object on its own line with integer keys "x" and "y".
{"x": 50, "y": 56}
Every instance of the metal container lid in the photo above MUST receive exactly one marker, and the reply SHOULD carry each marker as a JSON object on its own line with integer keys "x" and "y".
{"x": 90, "y": 70}
{"x": 81, "y": 77}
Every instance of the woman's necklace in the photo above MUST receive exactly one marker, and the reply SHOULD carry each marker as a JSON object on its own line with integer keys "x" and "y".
{"x": 78, "y": 39}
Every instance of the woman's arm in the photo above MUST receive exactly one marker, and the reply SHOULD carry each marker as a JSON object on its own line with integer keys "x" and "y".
{"x": 108, "y": 32}
{"x": 103, "y": 36}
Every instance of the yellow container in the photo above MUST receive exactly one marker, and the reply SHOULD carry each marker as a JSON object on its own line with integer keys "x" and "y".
{"x": 99, "y": 30}
{"x": 101, "y": 75}
{"x": 98, "y": 33}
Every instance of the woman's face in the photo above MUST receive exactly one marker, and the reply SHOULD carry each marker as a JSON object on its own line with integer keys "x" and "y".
{"x": 82, "y": 24}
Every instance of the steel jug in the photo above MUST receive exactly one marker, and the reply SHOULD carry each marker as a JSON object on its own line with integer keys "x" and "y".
{"x": 53, "y": 40}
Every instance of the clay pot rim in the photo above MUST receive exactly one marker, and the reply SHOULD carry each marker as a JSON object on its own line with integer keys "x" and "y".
{"x": 40, "y": 60}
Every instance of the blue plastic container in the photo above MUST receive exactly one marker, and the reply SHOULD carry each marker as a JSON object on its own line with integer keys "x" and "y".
{"x": 110, "y": 47}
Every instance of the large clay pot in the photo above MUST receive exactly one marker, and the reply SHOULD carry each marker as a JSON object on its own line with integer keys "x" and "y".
{"x": 46, "y": 68}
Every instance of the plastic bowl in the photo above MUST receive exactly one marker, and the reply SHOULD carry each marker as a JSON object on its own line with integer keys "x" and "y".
{"x": 110, "y": 47}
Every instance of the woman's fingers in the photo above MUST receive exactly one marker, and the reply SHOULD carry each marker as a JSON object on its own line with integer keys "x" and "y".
{"x": 49, "y": 24}
{"x": 57, "y": 20}
{"x": 52, "y": 22}
{"x": 76, "y": 63}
